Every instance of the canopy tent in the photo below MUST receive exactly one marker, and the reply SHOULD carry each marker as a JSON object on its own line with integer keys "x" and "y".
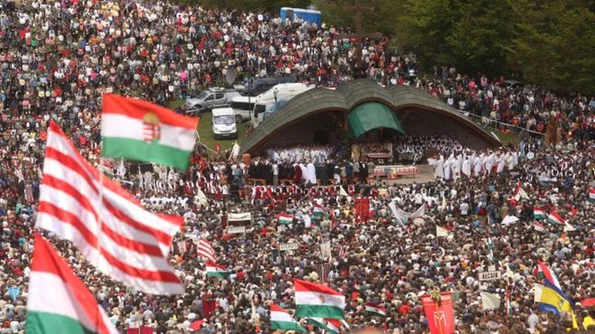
{"x": 372, "y": 115}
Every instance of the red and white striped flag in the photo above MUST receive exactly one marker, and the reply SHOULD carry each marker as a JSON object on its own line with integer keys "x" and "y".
{"x": 341, "y": 252}
{"x": 204, "y": 249}
{"x": 109, "y": 226}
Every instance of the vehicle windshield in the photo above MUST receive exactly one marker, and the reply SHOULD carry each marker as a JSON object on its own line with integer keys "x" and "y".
{"x": 202, "y": 95}
{"x": 224, "y": 120}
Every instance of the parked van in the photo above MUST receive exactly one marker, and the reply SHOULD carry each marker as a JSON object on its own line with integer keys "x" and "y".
{"x": 244, "y": 107}
{"x": 274, "y": 95}
{"x": 223, "y": 124}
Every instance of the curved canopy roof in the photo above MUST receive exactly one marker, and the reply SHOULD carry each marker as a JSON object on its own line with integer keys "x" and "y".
{"x": 372, "y": 115}
{"x": 350, "y": 95}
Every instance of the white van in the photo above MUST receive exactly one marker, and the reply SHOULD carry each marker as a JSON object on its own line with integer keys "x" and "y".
{"x": 223, "y": 123}
{"x": 273, "y": 95}
{"x": 242, "y": 107}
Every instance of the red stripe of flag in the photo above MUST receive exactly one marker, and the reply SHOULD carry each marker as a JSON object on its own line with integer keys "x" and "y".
{"x": 48, "y": 261}
{"x": 114, "y": 104}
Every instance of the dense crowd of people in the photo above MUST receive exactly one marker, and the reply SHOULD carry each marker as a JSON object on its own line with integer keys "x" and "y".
{"x": 58, "y": 58}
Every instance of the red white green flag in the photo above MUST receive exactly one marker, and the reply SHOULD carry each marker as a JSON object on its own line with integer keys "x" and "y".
{"x": 555, "y": 218}
{"x": 280, "y": 319}
{"x": 215, "y": 270}
{"x": 59, "y": 302}
{"x": 318, "y": 210}
{"x": 519, "y": 193}
{"x": 331, "y": 326}
{"x": 592, "y": 194}
{"x": 376, "y": 310}
{"x": 139, "y": 130}
{"x": 538, "y": 226}
{"x": 539, "y": 213}
{"x": 542, "y": 271}
{"x": 317, "y": 301}
{"x": 285, "y": 218}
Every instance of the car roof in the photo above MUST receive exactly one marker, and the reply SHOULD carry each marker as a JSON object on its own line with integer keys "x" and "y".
{"x": 222, "y": 111}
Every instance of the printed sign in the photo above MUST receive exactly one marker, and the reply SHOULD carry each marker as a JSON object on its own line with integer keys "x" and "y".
{"x": 236, "y": 229}
{"x": 490, "y": 276}
{"x": 289, "y": 246}
{"x": 395, "y": 171}
{"x": 237, "y": 217}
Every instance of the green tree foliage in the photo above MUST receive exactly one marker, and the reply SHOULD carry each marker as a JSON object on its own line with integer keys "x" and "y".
{"x": 554, "y": 44}
{"x": 546, "y": 42}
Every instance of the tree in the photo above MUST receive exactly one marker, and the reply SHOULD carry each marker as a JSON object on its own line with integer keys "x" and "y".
{"x": 554, "y": 44}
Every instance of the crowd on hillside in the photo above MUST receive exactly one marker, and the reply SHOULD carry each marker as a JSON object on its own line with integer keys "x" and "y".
{"x": 57, "y": 58}
{"x": 382, "y": 259}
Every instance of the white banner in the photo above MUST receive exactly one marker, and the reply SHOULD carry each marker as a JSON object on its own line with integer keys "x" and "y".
{"x": 289, "y": 246}
{"x": 403, "y": 216}
{"x": 237, "y": 217}
{"x": 236, "y": 229}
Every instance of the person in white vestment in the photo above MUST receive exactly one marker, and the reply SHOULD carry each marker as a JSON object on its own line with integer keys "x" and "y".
{"x": 466, "y": 165}
{"x": 447, "y": 168}
{"x": 311, "y": 173}
{"x": 478, "y": 164}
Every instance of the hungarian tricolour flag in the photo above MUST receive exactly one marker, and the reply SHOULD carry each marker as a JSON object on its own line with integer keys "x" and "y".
{"x": 555, "y": 218}
{"x": 519, "y": 193}
{"x": 59, "y": 302}
{"x": 539, "y": 213}
{"x": 538, "y": 227}
{"x": 280, "y": 319}
{"x": 139, "y": 130}
{"x": 318, "y": 211}
{"x": 592, "y": 194}
{"x": 318, "y": 301}
{"x": 542, "y": 271}
{"x": 215, "y": 270}
{"x": 332, "y": 326}
{"x": 285, "y": 218}
{"x": 376, "y": 310}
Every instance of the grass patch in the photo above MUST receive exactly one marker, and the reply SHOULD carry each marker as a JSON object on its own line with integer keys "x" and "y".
{"x": 205, "y": 132}
{"x": 207, "y": 137}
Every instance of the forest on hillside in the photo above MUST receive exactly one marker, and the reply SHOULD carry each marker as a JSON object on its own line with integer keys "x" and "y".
{"x": 545, "y": 42}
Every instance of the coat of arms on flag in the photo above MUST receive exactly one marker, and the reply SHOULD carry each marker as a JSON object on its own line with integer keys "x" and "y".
{"x": 151, "y": 128}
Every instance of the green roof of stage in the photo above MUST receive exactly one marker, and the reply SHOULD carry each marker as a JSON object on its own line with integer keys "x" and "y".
{"x": 372, "y": 115}
{"x": 348, "y": 96}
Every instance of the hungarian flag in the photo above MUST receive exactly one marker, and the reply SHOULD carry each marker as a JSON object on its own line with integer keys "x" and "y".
{"x": 215, "y": 270}
{"x": 520, "y": 193}
{"x": 542, "y": 271}
{"x": 332, "y": 326}
{"x": 592, "y": 194}
{"x": 440, "y": 314}
{"x": 539, "y": 213}
{"x": 538, "y": 227}
{"x": 285, "y": 218}
{"x": 376, "y": 310}
{"x": 107, "y": 224}
{"x": 318, "y": 210}
{"x": 139, "y": 130}
{"x": 555, "y": 218}
{"x": 59, "y": 302}
{"x": 280, "y": 319}
{"x": 318, "y": 301}
{"x": 441, "y": 231}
